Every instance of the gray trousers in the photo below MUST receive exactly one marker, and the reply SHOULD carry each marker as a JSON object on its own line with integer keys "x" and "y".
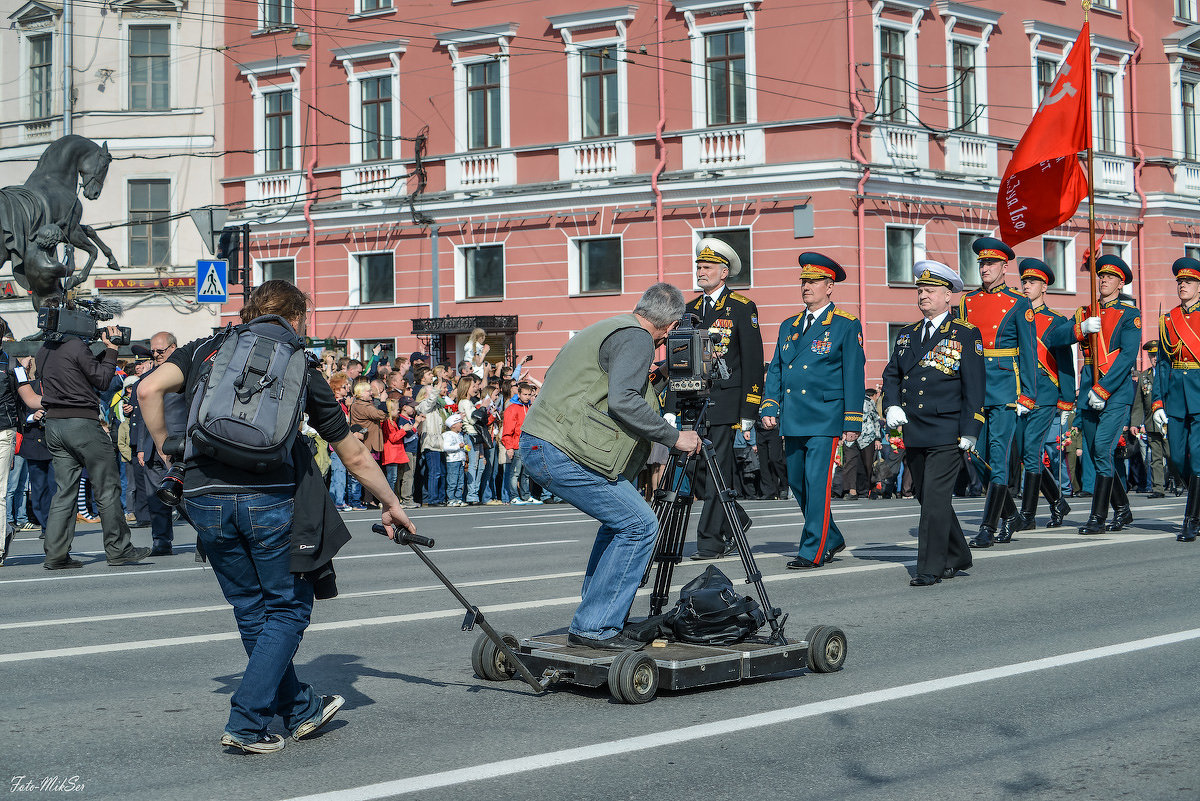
{"x": 76, "y": 443}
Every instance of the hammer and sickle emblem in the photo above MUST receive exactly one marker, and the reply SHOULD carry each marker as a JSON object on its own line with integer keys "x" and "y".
{"x": 1065, "y": 90}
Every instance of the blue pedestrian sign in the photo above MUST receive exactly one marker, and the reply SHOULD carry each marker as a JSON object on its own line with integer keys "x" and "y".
{"x": 212, "y": 285}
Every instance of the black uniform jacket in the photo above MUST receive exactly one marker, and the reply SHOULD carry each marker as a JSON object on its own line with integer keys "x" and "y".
{"x": 939, "y": 384}
{"x": 735, "y": 320}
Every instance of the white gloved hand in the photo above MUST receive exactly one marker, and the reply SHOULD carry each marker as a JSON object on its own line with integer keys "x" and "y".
{"x": 895, "y": 417}
{"x": 1095, "y": 401}
{"x": 1090, "y": 326}
{"x": 747, "y": 424}
{"x": 1022, "y": 410}
{"x": 967, "y": 443}
{"x": 1063, "y": 419}
{"x": 1160, "y": 418}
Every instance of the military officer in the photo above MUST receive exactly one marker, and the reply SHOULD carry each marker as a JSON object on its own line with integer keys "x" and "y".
{"x": 1054, "y": 394}
{"x": 1142, "y": 417}
{"x": 733, "y": 317}
{"x": 1177, "y": 387}
{"x": 1004, "y": 318}
{"x": 815, "y": 384}
{"x": 1105, "y": 389}
{"x": 933, "y": 386}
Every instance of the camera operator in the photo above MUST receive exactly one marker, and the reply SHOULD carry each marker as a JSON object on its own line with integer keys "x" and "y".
{"x": 73, "y": 374}
{"x": 588, "y": 433}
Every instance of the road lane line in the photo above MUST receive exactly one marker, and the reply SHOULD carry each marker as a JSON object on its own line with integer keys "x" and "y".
{"x": 723, "y": 728}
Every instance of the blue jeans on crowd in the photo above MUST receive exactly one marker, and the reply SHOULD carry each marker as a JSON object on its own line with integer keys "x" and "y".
{"x": 41, "y": 488}
{"x": 516, "y": 477}
{"x": 487, "y": 476}
{"x": 18, "y": 477}
{"x": 353, "y": 491}
{"x": 456, "y": 473}
{"x": 392, "y": 471}
{"x": 247, "y": 538}
{"x": 624, "y": 543}
{"x": 337, "y": 479}
{"x": 123, "y": 466}
{"x": 474, "y": 475}
{"x": 435, "y": 477}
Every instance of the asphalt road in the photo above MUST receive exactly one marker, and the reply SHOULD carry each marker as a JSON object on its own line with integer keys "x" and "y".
{"x": 1061, "y": 667}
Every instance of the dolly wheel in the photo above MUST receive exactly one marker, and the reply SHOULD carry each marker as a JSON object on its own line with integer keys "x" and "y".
{"x": 826, "y": 649}
{"x": 633, "y": 678}
{"x": 489, "y": 661}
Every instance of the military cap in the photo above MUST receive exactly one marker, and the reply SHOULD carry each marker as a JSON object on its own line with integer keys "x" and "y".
{"x": 1109, "y": 264}
{"x": 710, "y": 250}
{"x": 934, "y": 273}
{"x": 1036, "y": 268}
{"x": 988, "y": 247}
{"x": 1151, "y": 347}
{"x": 814, "y": 265}
{"x": 1186, "y": 267}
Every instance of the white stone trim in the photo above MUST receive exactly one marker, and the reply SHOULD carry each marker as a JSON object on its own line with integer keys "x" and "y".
{"x": 574, "y": 265}
{"x": 697, "y": 33}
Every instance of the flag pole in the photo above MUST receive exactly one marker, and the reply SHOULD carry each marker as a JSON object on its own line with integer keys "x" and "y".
{"x": 1095, "y": 299}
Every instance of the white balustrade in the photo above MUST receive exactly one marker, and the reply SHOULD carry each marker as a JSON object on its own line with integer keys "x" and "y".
{"x": 595, "y": 159}
{"x": 480, "y": 170}
{"x": 722, "y": 147}
{"x": 1187, "y": 179}
{"x": 383, "y": 179}
{"x": 1113, "y": 174}
{"x": 274, "y": 188}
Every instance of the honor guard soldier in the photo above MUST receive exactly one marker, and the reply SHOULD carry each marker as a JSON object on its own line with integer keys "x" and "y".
{"x": 1142, "y": 416}
{"x": 1054, "y": 394}
{"x": 933, "y": 387}
{"x": 814, "y": 389}
{"x": 1105, "y": 388}
{"x": 1177, "y": 387}
{"x": 733, "y": 318}
{"x": 1004, "y": 318}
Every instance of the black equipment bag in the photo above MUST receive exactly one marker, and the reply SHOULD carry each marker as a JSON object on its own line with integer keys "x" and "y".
{"x": 711, "y": 612}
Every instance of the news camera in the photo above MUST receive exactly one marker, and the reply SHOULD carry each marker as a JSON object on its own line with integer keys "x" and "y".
{"x": 691, "y": 363}
{"x": 80, "y": 318}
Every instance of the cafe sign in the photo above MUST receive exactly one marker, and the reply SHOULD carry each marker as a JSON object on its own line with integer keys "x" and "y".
{"x": 143, "y": 284}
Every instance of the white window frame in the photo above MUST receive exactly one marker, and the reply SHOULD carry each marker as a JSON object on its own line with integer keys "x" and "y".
{"x": 253, "y": 72}
{"x": 575, "y": 266}
{"x": 172, "y": 71}
{"x": 354, "y": 295}
{"x": 26, "y": 76}
{"x": 954, "y": 13}
{"x": 1122, "y": 246}
{"x": 708, "y": 230}
{"x": 1179, "y": 53}
{"x": 262, "y": 15}
{"x": 1190, "y": 10}
{"x": 1118, "y": 109}
{"x": 460, "y": 272}
{"x": 257, "y": 270}
{"x": 501, "y": 35}
{"x": 917, "y": 9}
{"x": 568, "y": 25}
{"x": 919, "y": 250}
{"x": 172, "y": 186}
{"x": 958, "y": 233}
{"x": 1069, "y": 271}
{"x": 359, "y": 9}
{"x": 348, "y": 58}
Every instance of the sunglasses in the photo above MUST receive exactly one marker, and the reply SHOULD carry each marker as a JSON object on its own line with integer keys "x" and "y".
{"x": 158, "y": 351}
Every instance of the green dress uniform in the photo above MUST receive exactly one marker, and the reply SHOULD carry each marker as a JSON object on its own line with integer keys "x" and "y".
{"x": 1141, "y": 415}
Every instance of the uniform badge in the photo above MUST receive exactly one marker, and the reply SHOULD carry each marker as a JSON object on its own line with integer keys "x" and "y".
{"x": 1137, "y": 322}
{"x": 860, "y": 344}
{"x": 1029, "y": 315}
{"x": 794, "y": 336}
{"x": 754, "y": 320}
{"x": 821, "y": 345}
{"x": 979, "y": 348}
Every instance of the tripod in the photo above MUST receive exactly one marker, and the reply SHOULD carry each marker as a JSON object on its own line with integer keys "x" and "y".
{"x": 673, "y": 508}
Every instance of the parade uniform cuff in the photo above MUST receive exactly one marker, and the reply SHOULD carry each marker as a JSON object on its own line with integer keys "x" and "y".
{"x": 1079, "y": 335}
{"x": 852, "y": 421}
{"x": 1101, "y": 392}
{"x": 1065, "y": 406}
{"x": 769, "y": 408}
{"x": 1027, "y": 402}
{"x": 1154, "y": 407}
{"x": 979, "y": 417}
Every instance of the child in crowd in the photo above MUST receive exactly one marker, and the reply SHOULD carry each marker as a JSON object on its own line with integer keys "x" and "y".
{"x": 394, "y": 456}
{"x": 514, "y": 419}
{"x": 409, "y": 422}
{"x": 454, "y": 447}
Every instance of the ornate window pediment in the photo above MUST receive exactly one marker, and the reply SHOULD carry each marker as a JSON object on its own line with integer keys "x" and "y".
{"x": 36, "y": 15}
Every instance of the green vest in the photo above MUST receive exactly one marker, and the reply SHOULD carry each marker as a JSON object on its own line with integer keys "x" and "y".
{"x": 571, "y": 410}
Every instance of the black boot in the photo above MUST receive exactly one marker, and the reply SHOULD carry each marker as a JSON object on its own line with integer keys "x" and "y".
{"x": 1095, "y": 521}
{"x": 1058, "y": 507}
{"x": 1122, "y": 514}
{"x": 991, "y": 516}
{"x": 1026, "y": 520}
{"x": 1009, "y": 517}
{"x": 1191, "y": 512}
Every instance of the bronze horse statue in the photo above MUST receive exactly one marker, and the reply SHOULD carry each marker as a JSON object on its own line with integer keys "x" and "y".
{"x": 49, "y": 197}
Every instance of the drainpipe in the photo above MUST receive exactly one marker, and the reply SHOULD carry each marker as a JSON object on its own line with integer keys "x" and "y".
{"x": 856, "y": 152}
{"x": 1137, "y": 169}
{"x": 660, "y": 144}
{"x": 436, "y": 282}
{"x": 312, "y": 162}
{"x": 68, "y": 60}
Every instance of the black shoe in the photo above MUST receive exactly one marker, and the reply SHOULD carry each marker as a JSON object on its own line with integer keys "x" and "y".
{"x": 700, "y": 557}
{"x": 851, "y": 497}
{"x": 135, "y": 556}
{"x": 619, "y": 642}
{"x": 1157, "y": 495}
{"x": 832, "y": 552}
{"x": 923, "y": 580}
{"x": 1007, "y": 526}
{"x": 731, "y": 548}
{"x": 800, "y": 563}
{"x": 70, "y": 564}
{"x": 983, "y": 539}
{"x": 1095, "y": 521}
{"x": 951, "y": 572}
{"x": 162, "y": 550}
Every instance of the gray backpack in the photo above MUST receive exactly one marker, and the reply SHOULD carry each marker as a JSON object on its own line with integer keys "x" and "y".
{"x": 248, "y": 397}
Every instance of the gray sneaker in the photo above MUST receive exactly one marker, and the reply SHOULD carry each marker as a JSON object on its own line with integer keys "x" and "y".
{"x": 330, "y": 704}
{"x": 135, "y": 556}
{"x": 266, "y": 744}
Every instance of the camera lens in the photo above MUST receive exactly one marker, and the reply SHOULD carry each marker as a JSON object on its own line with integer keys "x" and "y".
{"x": 170, "y": 491}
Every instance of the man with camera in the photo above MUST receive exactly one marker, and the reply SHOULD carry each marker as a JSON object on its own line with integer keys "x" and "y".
{"x": 732, "y": 318}
{"x": 588, "y": 433}
{"x": 72, "y": 374}
{"x": 162, "y": 345}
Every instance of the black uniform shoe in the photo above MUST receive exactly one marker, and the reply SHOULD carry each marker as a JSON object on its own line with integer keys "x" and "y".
{"x": 699, "y": 557}
{"x": 133, "y": 557}
{"x": 800, "y": 563}
{"x": 162, "y": 550}
{"x": 618, "y": 642}
{"x": 951, "y": 572}
{"x": 1026, "y": 519}
{"x": 1095, "y": 521}
{"x": 923, "y": 580}
{"x": 992, "y": 506}
{"x": 730, "y": 548}
{"x": 1007, "y": 526}
{"x": 1157, "y": 495}
{"x": 832, "y": 552}
{"x": 70, "y": 564}
{"x": 1122, "y": 514}
{"x": 1191, "y": 512}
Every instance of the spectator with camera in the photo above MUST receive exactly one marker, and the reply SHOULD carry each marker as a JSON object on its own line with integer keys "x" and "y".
{"x": 154, "y": 468}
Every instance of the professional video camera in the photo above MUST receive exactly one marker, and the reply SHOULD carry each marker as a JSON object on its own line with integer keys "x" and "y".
{"x": 79, "y": 318}
{"x": 690, "y": 361}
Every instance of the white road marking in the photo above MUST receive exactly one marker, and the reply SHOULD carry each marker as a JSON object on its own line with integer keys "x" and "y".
{"x": 724, "y": 728}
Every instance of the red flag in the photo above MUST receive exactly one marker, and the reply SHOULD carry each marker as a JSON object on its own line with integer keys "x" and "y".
{"x": 1044, "y": 182}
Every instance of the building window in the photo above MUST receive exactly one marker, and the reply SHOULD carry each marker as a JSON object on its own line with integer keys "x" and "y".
{"x": 965, "y": 116}
{"x": 598, "y": 91}
{"x": 1106, "y": 113}
{"x": 1188, "y": 102}
{"x": 905, "y": 246}
{"x": 41, "y": 62}
{"x": 377, "y": 118}
{"x": 1046, "y": 70}
{"x": 725, "y": 77}
{"x": 894, "y": 330}
{"x": 149, "y": 230}
{"x": 483, "y": 272}
{"x": 1185, "y": 9}
{"x": 1192, "y": 251}
{"x": 739, "y": 240}
{"x": 375, "y": 5}
{"x": 1109, "y": 4}
{"x": 596, "y": 264}
{"x": 278, "y": 270}
{"x": 483, "y": 105}
{"x": 1055, "y": 252}
{"x": 376, "y": 278}
{"x": 276, "y": 13}
{"x": 149, "y": 68}
{"x": 968, "y": 262}
{"x": 278, "y": 130}
{"x": 892, "y": 84}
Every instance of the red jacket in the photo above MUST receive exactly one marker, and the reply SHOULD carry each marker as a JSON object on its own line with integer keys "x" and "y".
{"x": 393, "y": 443}
{"x": 514, "y": 419}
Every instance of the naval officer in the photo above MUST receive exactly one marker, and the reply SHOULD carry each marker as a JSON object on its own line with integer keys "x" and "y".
{"x": 733, "y": 319}
{"x": 933, "y": 387}
{"x": 815, "y": 384}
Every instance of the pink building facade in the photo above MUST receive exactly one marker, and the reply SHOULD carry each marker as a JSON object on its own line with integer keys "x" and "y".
{"x": 567, "y": 161}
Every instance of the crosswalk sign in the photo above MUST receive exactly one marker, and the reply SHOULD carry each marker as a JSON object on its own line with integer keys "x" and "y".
{"x": 212, "y": 285}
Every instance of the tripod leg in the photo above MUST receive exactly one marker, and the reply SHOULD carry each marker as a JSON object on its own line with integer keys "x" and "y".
{"x": 673, "y": 510}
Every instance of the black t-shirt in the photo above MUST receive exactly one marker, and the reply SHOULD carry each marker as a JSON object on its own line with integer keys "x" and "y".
{"x": 207, "y": 476}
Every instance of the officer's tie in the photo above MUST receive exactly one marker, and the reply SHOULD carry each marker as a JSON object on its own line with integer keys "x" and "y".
{"x": 927, "y": 331}
{"x": 808, "y": 321}
{"x": 708, "y": 305}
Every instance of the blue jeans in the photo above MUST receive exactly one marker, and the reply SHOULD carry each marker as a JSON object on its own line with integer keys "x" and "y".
{"x": 516, "y": 477}
{"x": 248, "y": 541}
{"x": 337, "y": 479}
{"x": 624, "y": 543}
{"x": 487, "y": 478}
{"x": 455, "y": 480}
{"x": 435, "y": 476}
{"x": 474, "y": 475}
{"x": 18, "y": 476}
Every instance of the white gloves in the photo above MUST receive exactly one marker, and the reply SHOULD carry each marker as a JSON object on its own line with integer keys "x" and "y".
{"x": 895, "y": 417}
{"x": 747, "y": 424}
{"x": 1095, "y": 401}
{"x": 1090, "y": 326}
{"x": 966, "y": 443}
{"x": 1022, "y": 410}
{"x": 1063, "y": 419}
{"x": 1160, "y": 418}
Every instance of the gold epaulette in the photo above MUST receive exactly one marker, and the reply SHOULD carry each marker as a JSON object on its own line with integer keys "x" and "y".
{"x": 967, "y": 324}
{"x": 739, "y": 297}
{"x": 844, "y": 313}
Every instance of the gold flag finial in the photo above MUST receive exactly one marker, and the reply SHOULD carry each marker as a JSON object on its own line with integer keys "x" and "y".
{"x": 1087, "y": 6}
